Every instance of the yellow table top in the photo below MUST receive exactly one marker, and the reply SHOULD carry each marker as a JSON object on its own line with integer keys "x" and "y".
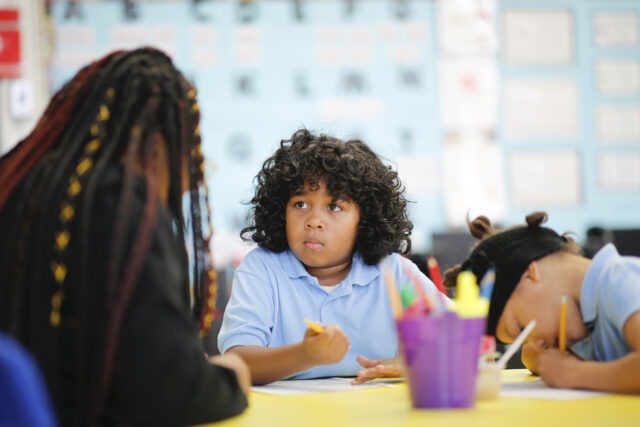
{"x": 391, "y": 407}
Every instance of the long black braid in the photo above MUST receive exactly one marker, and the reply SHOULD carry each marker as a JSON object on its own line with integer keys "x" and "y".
{"x": 112, "y": 112}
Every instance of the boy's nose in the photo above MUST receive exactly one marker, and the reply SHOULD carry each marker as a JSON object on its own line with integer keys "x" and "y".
{"x": 314, "y": 222}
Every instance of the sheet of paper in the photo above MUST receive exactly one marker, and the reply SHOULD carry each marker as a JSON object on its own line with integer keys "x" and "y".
{"x": 473, "y": 186}
{"x": 537, "y": 389}
{"x": 545, "y": 178}
{"x": 541, "y": 108}
{"x": 619, "y": 171}
{"x": 324, "y": 385}
{"x": 468, "y": 89}
{"x": 618, "y": 76}
{"x": 467, "y": 27}
{"x": 538, "y": 37}
{"x": 618, "y": 124}
{"x": 613, "y": 29}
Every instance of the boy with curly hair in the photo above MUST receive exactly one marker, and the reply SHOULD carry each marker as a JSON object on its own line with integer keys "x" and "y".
{"x": 536, "y": 268}
{"x": 330, "y": 219}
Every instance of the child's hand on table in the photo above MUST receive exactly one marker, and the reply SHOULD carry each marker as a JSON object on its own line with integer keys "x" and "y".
{"x": 556, "y": 367}
{"x": 388, "y": 368}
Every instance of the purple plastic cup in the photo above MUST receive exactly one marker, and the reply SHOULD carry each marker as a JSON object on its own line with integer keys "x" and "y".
{"x": 441, "y": 354}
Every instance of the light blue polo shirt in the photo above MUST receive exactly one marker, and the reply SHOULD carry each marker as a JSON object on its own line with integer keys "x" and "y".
{"x": 610, "y": 294}
{"x": 272, "y": 293}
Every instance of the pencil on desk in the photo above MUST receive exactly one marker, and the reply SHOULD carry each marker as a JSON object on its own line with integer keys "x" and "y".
{"x": 314, "y": 326}
{"x": 562, "y": 335}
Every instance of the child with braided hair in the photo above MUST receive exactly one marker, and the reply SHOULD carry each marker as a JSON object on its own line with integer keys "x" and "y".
{"x": 94, "y": 271}
{"x": 535, "y": 270}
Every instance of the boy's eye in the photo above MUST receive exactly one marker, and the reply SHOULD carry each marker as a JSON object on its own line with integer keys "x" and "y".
{"x": 334, "y": 208}
{"x": 300, "y": 204}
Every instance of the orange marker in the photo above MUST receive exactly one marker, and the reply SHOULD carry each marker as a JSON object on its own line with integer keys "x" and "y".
{"x": 562, "y": 334}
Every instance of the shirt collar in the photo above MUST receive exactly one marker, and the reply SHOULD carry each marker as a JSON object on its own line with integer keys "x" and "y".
{"x": 360, "y": 274}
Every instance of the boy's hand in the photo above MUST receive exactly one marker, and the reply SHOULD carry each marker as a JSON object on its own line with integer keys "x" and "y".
{"x": 390, "y": 368}
{"x": 326, "y": 348}
{"x": 555, "y": 367}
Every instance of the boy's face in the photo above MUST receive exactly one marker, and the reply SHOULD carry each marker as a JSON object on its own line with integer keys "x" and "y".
{"x": 322, "y": 232}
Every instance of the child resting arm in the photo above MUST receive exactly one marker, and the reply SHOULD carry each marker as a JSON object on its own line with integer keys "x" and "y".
{"x": 535, "y": 269}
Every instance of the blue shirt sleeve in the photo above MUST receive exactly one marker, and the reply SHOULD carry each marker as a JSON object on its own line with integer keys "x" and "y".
{"x": 248, "y": 318}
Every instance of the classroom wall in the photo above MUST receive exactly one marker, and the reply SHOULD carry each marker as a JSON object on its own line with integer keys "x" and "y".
{"x": 23, "y": 99}
{"x": 493, "y": 107}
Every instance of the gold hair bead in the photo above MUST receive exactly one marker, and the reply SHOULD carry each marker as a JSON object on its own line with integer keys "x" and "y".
{"x": 59, "y": 271}
{"x": 54, "y": 318}
{"x": 111, "y": 92}
{"x": 56, "y": 299}
{"x": 92, "y": 145}
{"x": 67, "y": 212}
{"x": 62, "y": 240}
{"x": 56, "y": 303}
{"x": 208, "y": 318}
{"x": 104, "y": 113}
{"x": 95, "y": 129}
{"x": 84, "y": 166}
{"x": 74, "y": 186}
{"x": 195, "y": 107}
{"x": 191, "y": 93}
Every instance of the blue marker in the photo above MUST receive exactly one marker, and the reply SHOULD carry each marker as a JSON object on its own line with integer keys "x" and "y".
{"x": 486, "y": 284}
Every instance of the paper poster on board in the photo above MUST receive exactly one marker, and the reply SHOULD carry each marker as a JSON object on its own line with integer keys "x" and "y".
{"x": 618, "y": 124}
{"x": 619, "y": 77}
{"x": 541, "y": 108}
{"x": 474, "y": 179}
{"x": 538, "y": 37}
{"x": 616, "y": 28}
{"x": 619, "y": 171}
{"x": 545, "y": 178}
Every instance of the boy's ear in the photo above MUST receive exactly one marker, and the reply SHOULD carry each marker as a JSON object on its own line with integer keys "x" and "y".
{"x": 532, "y": 271}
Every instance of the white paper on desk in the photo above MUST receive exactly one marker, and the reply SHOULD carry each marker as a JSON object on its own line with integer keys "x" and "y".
{"x": 537, "y": 389}
{"x": 297, "y": 387}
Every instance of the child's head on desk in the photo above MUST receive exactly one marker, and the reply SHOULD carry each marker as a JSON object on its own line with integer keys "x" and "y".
{"x": 325, "y": 198}
{"x": 532, "y": 272}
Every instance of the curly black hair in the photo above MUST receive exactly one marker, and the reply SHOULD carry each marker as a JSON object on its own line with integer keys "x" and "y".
{"x": 348, "y": 168}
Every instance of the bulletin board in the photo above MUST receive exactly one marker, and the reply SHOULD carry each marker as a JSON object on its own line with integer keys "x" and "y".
{"x": 570, "y": 111}
{"x": 484, "y": 106}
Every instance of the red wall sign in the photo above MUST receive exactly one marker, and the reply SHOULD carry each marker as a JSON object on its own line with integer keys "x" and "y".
{"x": 9, "y": 44}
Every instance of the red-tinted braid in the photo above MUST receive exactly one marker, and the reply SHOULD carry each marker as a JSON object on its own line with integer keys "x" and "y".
{"x": 142, "y": 242}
